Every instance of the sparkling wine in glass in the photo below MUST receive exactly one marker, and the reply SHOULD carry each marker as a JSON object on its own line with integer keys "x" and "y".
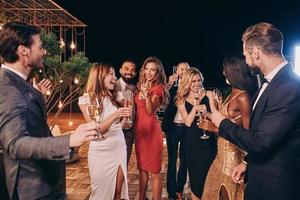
{"x": 197, "y": 102}
{"x": 200, "y": 115}
{"x": 94, "y": 110}
{"x": 128, "y": 102}
{"x": 142, "y": 94}
{"x": 203, "y": 116}
{"x": 174, "y": 72}
{"x": 218, "y": 99}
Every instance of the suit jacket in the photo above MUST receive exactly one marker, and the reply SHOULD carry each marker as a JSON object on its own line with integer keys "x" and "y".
{"x": 33, "y": 158}
{"x": 170, "y": 112}
{"x": 273, "y": 140}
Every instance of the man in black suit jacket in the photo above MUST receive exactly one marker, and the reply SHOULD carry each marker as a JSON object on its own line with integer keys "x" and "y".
{"x": 175, "y": 129}
{"x": 273, "y": 138}
{"x": 33, "y": 159}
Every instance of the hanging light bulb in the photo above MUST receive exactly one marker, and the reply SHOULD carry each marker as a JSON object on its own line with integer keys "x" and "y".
{"x": 60, "y": 104}
{"x": 70, "y": 123}
{"x": 73, "y": 46}
{"x": 61, "y": 43}
{"x": 48, "y": 93}
{"x": 76, "y": 80}
{"x": 40, "y": 71}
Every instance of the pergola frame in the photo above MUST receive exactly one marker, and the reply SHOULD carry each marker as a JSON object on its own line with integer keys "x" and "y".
{"x": 46, "y": 14}
{"x": 39, "y": 12}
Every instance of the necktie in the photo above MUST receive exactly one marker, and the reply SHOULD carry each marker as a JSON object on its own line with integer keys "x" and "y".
{"x": 261, "y": 80}
{"x": 264, "y": 80}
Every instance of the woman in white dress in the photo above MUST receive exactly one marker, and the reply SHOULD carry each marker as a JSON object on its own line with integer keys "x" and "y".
{"x": 107, "y": 158}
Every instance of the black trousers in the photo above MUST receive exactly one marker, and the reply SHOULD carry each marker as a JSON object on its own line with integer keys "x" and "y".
{"x": 129, "y": 139}
{"x": 176, "y": 180}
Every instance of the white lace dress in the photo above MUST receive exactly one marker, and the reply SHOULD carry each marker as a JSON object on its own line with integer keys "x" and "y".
{"x": 105, "y": 157}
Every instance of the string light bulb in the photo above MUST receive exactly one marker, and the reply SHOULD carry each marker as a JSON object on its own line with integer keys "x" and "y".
{"x": 70, "y": 123}
{"x": 61, "y": 81}
{"x": 60, "y": 104}
{"x": 62, "y": 44}
{"x": 48, "y": 93}
{"x": 73, "y": 46}
{"x": 76, "y": 80}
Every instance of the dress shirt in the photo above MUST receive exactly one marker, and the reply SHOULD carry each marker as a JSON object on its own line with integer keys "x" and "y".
{"x": 269, "y": 78}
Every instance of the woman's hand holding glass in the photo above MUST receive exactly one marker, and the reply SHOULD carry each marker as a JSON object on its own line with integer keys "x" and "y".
{"x": 145, "y": 88}
{"x": 207, "y": 125}
{"x": 203, "y": 117}
{"x": 214, "y": 96}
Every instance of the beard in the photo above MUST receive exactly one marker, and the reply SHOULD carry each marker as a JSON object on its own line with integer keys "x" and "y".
{"x": 128, "y": 79}
{"x": 37, "y": 64}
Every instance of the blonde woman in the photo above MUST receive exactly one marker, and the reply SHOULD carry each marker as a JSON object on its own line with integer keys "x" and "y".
{"x": 106, "y": 159}
{"x": 152, "y": 92}
{"x": 200, "y": 153}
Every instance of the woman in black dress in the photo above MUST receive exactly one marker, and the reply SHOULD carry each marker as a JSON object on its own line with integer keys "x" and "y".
{"x": 200, "y": 151}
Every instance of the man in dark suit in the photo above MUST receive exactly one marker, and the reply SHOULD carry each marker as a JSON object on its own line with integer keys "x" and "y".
{"x": 33, "y": 159}
{"x": 174, "y": 128}
{"x": 273, "y": 138}
{"x": 125, "y": 86}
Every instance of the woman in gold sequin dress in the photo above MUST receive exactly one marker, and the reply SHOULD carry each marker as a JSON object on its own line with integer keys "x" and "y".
{"x": 219, "y": 184}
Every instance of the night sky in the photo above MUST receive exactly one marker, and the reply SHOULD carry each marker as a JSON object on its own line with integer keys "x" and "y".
{"x": 200, "y": 32}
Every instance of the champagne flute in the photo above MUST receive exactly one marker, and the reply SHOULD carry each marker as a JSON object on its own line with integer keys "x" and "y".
{"x": 146, "y": 85}
{"x": 128, "y": 102}
{"x": 203, "y": 116}
{"x": 196, "y": 102}
{"x": 94, "y": 110}
{"x": 174, "y": 72}
{"x": 218, "y": 98}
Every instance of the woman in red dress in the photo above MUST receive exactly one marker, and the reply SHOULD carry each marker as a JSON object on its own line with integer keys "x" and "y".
{"x": 151, "y": 93}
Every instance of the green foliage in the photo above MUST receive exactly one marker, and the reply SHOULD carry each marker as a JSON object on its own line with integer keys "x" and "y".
{"x": 78, "y": 65}
{"x": 51, "y": 43}
{"x": 62, "y": 75}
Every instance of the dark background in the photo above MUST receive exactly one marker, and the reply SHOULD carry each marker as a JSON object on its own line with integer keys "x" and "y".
{"x": 200, "y": 32}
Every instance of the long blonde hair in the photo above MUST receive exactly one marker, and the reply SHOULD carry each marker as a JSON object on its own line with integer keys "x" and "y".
{"x": 185, "y": 84}
{"x": 160, "y": 77}
{"x": 95, "y": 83}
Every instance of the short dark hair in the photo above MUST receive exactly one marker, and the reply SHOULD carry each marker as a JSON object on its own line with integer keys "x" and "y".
{"x": 266, "y": 36}
{"x": 239, "y": 74}
{"x": 14, "y": 34}
{"x": 128, "y": 60}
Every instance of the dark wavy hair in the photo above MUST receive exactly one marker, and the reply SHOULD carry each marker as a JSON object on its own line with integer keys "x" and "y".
{"x": 239, "y": 74}
{"x": 14, "y": 34}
